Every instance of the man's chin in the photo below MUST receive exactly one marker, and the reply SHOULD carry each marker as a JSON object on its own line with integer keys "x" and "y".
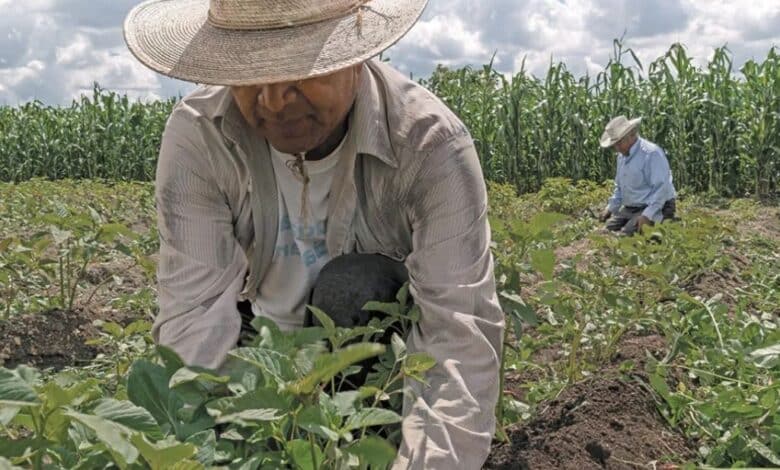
{"x": 290, "y": 147}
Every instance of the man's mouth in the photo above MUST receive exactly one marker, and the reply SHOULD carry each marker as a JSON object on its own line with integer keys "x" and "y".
{"x": 289, "y": 127}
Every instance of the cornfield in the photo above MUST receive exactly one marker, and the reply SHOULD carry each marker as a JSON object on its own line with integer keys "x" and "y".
{"x": 720, "y": 129}
{"x": 102, "y": 136}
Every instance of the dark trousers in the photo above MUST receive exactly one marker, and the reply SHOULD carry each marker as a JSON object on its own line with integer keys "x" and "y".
{"x": 343, "y": 287}
{"x": 626, "y": 218}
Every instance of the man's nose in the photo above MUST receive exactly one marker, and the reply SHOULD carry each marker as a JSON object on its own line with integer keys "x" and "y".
{"x": 274, "y": 97}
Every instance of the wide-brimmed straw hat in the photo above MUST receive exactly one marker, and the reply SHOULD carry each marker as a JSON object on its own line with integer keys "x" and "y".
{"x": 248, "y": 42}
{"x": 618, "y": 128}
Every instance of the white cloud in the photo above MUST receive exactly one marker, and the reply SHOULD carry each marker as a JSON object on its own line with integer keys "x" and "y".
{"x": 54, "y": 50}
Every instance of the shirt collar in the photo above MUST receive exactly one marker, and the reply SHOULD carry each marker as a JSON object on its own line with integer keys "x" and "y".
{"x": 368, "y": 119}
{"x": 634, "y": 148}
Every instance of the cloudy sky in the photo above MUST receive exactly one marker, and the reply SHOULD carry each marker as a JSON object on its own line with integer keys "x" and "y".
{"x": 53, "y": 50}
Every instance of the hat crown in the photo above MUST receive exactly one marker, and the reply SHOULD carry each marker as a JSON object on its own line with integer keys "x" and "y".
{"x": 617, "y": 127}
{"x": 272, "y": 14}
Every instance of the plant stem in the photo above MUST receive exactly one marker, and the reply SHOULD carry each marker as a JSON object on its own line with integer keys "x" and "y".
{"x": 500, "y": 432}
{"x": 313, "y": 452}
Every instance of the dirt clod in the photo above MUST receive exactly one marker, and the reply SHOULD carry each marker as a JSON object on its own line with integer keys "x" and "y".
{"x": 599, "y": 453}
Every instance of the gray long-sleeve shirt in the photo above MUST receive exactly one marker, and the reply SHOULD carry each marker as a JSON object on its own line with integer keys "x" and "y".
{"x": 413, "y": 191}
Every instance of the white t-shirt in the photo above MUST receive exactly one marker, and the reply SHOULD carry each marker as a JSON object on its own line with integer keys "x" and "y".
{"x": 300, "y": 251}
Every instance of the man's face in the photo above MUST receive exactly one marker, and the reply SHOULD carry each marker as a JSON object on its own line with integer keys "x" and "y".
{"x": 624, "y": 145}
{"x": 297, "y": 117}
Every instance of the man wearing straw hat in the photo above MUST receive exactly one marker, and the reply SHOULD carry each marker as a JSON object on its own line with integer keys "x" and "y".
{"x": 644, "y": 193}
{"x": 303, "y": 159}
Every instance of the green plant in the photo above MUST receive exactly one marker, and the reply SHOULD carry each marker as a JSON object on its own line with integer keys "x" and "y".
{"x": 274, "y": 404}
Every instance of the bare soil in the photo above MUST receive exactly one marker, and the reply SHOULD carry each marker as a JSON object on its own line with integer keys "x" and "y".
{"x": 52, "y": 339}
{"x": 607, "y": 421}
{"x": 57, "y": 338}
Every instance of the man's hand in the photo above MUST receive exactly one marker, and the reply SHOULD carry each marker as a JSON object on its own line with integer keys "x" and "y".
{"x": 605, "y": 215}
{"x": 642, "y": 221}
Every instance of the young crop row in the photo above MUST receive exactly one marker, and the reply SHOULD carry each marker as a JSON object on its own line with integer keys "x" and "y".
{"x": 279, "y": 404}
{"x": 721, "y": 129}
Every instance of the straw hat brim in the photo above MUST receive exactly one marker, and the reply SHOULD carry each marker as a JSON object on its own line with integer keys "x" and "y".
{"x": 608, "y": 141}
{"x": 174, "y": 38}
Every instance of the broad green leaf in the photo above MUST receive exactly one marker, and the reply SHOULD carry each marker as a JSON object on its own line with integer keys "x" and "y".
{"x": 403, "y": 294}
{"x": 30, "y": 375}
{"x": 323, "y": 318}
{"x": 130, "y": 415}
{"x": 162, "y": 455}
{"x": 6, "y": 465}
{"x": 109, "y": 232}
{"x": 138, "y": 327}
{"x": 418, "y": 363}
{"x": 311, "y": 419}
{"x": 7, "y": 413}
{"x": 274, "y": 365}
{"x": 327, "y": 366}
{"x": 114, "y": 435}
{"x": 767, "y": 358}
{"x": 371, "y": 417}
{"x": 367, "y": 391}
{"x": 764, "y": 451}
{"x": 544, "y": 262}
{"x": 392, "y": 309}
{"x": 258, "y": 323}
{"x": 345, "y": 402}
{"x": 303, "y": 454}
{"x": 147, "y": 387}
{"x": 306, "y": 357}
{"x": 68, "y": 391}
{"x": 206, "y": 444}
{"x": 544, "y": 221}
{"x": 268, "y": 397}
{"x": 526, "y": 314}
{"x": 399, "y": 347}
{"x": 186, "y": 375}
{"x": 114, "y": 329}
{"x": 245, "y": 417}
{"x": 659, "y": 385}
{"x": 171, "y": 360}
{"x": 413, "y": 315}
{"x": 304, "y": 336}
{"x": 187, "y": 465}
{"x": 16, "y": 448}
{"x": 373, "y": 451}
{"x": 514, "y": 299}
{"x": 15, "y": 391}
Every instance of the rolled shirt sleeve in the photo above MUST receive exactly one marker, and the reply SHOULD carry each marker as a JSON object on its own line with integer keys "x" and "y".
{"x": 659, "y": 177}
{"x": 202, "y": 265}
{"x": 449, "y": 423}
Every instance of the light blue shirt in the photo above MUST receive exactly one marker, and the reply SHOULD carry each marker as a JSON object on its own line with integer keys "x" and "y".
{"x": 643, "y": 178}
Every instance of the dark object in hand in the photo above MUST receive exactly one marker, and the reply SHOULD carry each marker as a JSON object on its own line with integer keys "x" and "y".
{"x": 346, "y": 284}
